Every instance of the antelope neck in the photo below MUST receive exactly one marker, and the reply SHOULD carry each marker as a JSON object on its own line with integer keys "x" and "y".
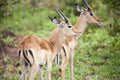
{"x": 81, "y": 24}
{"x": 57, "y": 39}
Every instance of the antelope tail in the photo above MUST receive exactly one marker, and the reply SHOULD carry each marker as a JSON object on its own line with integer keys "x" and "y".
{"x": 25, "y": 55}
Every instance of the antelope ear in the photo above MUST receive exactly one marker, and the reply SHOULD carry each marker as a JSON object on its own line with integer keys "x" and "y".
{"x": 54, "y": 20}
{"x": 79, "y": 8}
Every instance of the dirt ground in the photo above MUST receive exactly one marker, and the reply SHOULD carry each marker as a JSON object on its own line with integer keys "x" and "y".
{"x": 8, "y": 51}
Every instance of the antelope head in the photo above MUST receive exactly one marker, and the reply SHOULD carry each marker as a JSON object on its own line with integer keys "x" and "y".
{"x": 88, "y": 13}
{"x": 64, "y": 25}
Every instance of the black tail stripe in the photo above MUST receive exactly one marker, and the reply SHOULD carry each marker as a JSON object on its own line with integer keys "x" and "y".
{"x": 26, "y": 53}
{"x": 25, "y": 63}
{"x": 19, "y": 52}
{"x": 31, "y": 53}
{"x": 57, "y": 58}
{"x": 26, "y": 57}
{"x": 64, "y": 51}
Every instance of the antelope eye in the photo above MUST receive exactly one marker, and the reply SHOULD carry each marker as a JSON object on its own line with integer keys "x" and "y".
{"x": 91, "y": 14}
{"x": 69, "y": 26}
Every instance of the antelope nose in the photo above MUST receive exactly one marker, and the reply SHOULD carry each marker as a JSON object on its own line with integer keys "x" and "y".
{"x": 79, "y": 34}
{"x": 99, "y": 23}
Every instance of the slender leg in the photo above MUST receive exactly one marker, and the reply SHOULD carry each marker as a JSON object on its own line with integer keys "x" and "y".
{"x": 40, "y": 72}
{"x": 71, "y": 64}
{"x": 24, "y": 73}
{"x": 49, "y": 67}
{"x": 57, "y": 62}
{"x": 23, "y": 69}
{"x": 33, "y": 71}
{"x": 63, "y": 65}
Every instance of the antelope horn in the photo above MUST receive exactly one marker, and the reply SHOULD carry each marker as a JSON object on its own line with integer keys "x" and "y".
{"x": 87, "y": 5}
{"x": 61, "y": 15}
{"x": 50, "y": 18}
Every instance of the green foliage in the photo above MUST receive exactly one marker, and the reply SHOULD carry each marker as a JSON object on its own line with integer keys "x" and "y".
{"x": 8, "y": 40}
{"x": 98, "y": 54}
{"x": 3, "y": 4}
{"x": 34, "y": 19}
{"x": 113, "y": 8}
{"x": 113, "y": 5}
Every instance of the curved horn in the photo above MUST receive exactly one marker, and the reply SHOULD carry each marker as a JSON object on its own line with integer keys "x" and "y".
{"x": 50, "y": 18}
{"x": 87, "y": 5}
{"x": 61, "y": 15}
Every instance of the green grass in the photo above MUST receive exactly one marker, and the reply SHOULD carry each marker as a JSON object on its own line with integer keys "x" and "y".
{"x": 97, "y": 57}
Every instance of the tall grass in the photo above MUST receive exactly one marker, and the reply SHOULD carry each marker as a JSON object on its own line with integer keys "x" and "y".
{"x": 98, "y": 53}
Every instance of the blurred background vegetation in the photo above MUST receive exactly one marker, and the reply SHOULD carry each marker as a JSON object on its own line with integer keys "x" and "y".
{"x": 98, "y": 54}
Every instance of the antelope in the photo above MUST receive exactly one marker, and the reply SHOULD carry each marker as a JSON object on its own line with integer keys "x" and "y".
{"x": 34, "y": 52}
{"x": 86, "y": 17}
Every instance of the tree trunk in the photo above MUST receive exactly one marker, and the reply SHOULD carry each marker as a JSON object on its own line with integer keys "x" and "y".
{"x": 34, "y": 2}
{"x": 111, "y": 19}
